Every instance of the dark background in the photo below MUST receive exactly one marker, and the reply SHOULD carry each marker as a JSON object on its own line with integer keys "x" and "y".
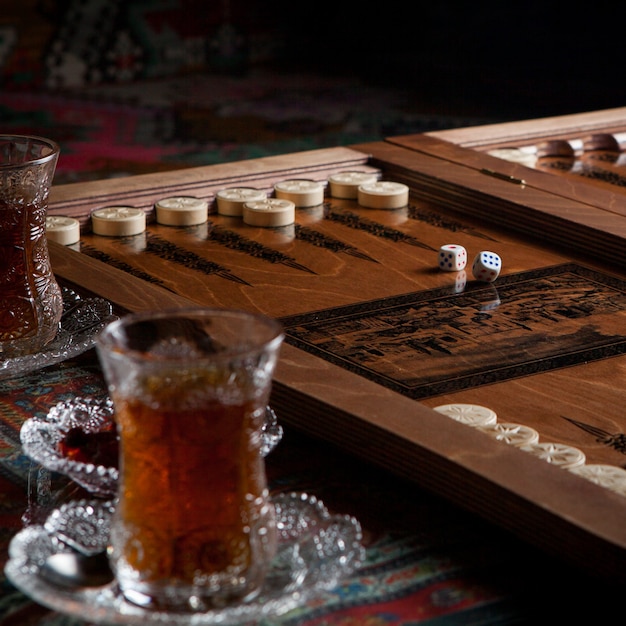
{"x": 134, "y": 86}
{"x": 506, "y": 59}
{"x": 503, "y": 58}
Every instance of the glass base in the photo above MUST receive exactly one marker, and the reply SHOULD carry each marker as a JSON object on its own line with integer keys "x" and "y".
{"x": 27, "y": 345}
{"x": 187, "y": 600}
{"x": 49, "y": 309}
{"x": 81, "y": 321}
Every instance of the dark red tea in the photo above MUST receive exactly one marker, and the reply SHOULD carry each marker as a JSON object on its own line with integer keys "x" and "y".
{"x": 30, "y": 298}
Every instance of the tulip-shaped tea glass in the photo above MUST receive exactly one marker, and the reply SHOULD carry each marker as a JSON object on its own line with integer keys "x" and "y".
{"x": 194, "y": 527}
{"x": 31, "y": 301}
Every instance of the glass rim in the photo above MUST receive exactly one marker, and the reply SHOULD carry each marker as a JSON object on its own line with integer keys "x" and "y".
{"x": 55, "y": 149}
{"x": 110, "y": 337}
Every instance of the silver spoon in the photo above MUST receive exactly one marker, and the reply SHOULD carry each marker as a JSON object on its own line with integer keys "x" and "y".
{"x": 71, "y": 569}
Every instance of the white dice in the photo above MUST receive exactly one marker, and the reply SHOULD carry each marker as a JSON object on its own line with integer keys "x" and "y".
{"x": 452, "y": 257}
{"x": 486, "y": 266}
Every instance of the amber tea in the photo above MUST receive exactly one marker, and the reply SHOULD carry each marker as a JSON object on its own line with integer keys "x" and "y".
{"x": 194, "y": 525}
{"x": 208, "y": 460}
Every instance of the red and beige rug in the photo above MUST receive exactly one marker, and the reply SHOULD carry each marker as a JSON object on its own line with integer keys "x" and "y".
{"x": 164, "y": 124}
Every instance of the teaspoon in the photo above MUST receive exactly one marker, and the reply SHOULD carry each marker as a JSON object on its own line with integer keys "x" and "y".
{"x": 71, "y": 569}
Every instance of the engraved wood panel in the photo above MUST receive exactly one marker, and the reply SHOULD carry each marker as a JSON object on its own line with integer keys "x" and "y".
{"x": 377, "y": 335}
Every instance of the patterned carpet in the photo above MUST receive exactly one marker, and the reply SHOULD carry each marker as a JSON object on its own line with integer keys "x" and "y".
{"x": 422, "y": 559}
{"x": 155, "y": 125}
{"x": 133, "y": 86}
{"x": 128, "y": 87}
{"x": 426, "y": 561}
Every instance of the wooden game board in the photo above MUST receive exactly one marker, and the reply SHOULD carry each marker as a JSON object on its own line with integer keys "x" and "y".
{"x": 377, "y": 336}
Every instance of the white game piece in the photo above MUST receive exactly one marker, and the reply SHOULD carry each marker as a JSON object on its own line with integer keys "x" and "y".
{"x": 556, "y": 454}
{"x": 118, "y": 221}
{"x": 181, "y": 211}
{"x": 470, "y": 414}
{"x": 486, "y": 266}
{"x": 452, "y": 257}
{"x": 63, "y": 230}
{"x": 230, "y": 201}
{"x": 513, "y": 434}
{"x": 609, "y": 476}
{"x": 383, "y": 195}
{"x": 303, "y": 193}
{"x": 527, "y": 157}
{"x": 345, "y": 185}
{"x": 269, "y": 213}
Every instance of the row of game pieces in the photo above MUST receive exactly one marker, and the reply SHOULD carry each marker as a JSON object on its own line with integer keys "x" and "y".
{"x": 258, "y": 209}
{"x": 604, "y": 143}
{"x": 485, "y": 267}
{"x": 254, "y": 206}
{"x": 527, "y": 439}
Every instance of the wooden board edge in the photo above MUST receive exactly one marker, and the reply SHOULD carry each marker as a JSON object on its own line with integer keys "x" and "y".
{"x": 78, "y": 200}
{"x": 546, "y": 506}
{"x": 600, "y": 198}
{"x": 534, "y": 130}
{"x": 126, "y": 292}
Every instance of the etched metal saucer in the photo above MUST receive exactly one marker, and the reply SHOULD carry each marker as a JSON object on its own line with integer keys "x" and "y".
{"x": 42, "y": 438}
{"x": 316, "y": 549}
{"x": 82, "y": 320}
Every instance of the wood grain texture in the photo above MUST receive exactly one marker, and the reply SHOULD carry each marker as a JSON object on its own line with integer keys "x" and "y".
{"x": 522, "y": 132}
{"x": 127, "y": 293}
{"x": 342, "y": 255}
{"x": 569, "y": 215}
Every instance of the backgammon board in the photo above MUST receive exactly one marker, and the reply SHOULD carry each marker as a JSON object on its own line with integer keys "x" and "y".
{"x": 377, "y": 336}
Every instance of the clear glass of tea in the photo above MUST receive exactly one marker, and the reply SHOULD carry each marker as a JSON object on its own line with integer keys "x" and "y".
{"x": 194, "y": 527}
{"x": 31, "y": 301}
